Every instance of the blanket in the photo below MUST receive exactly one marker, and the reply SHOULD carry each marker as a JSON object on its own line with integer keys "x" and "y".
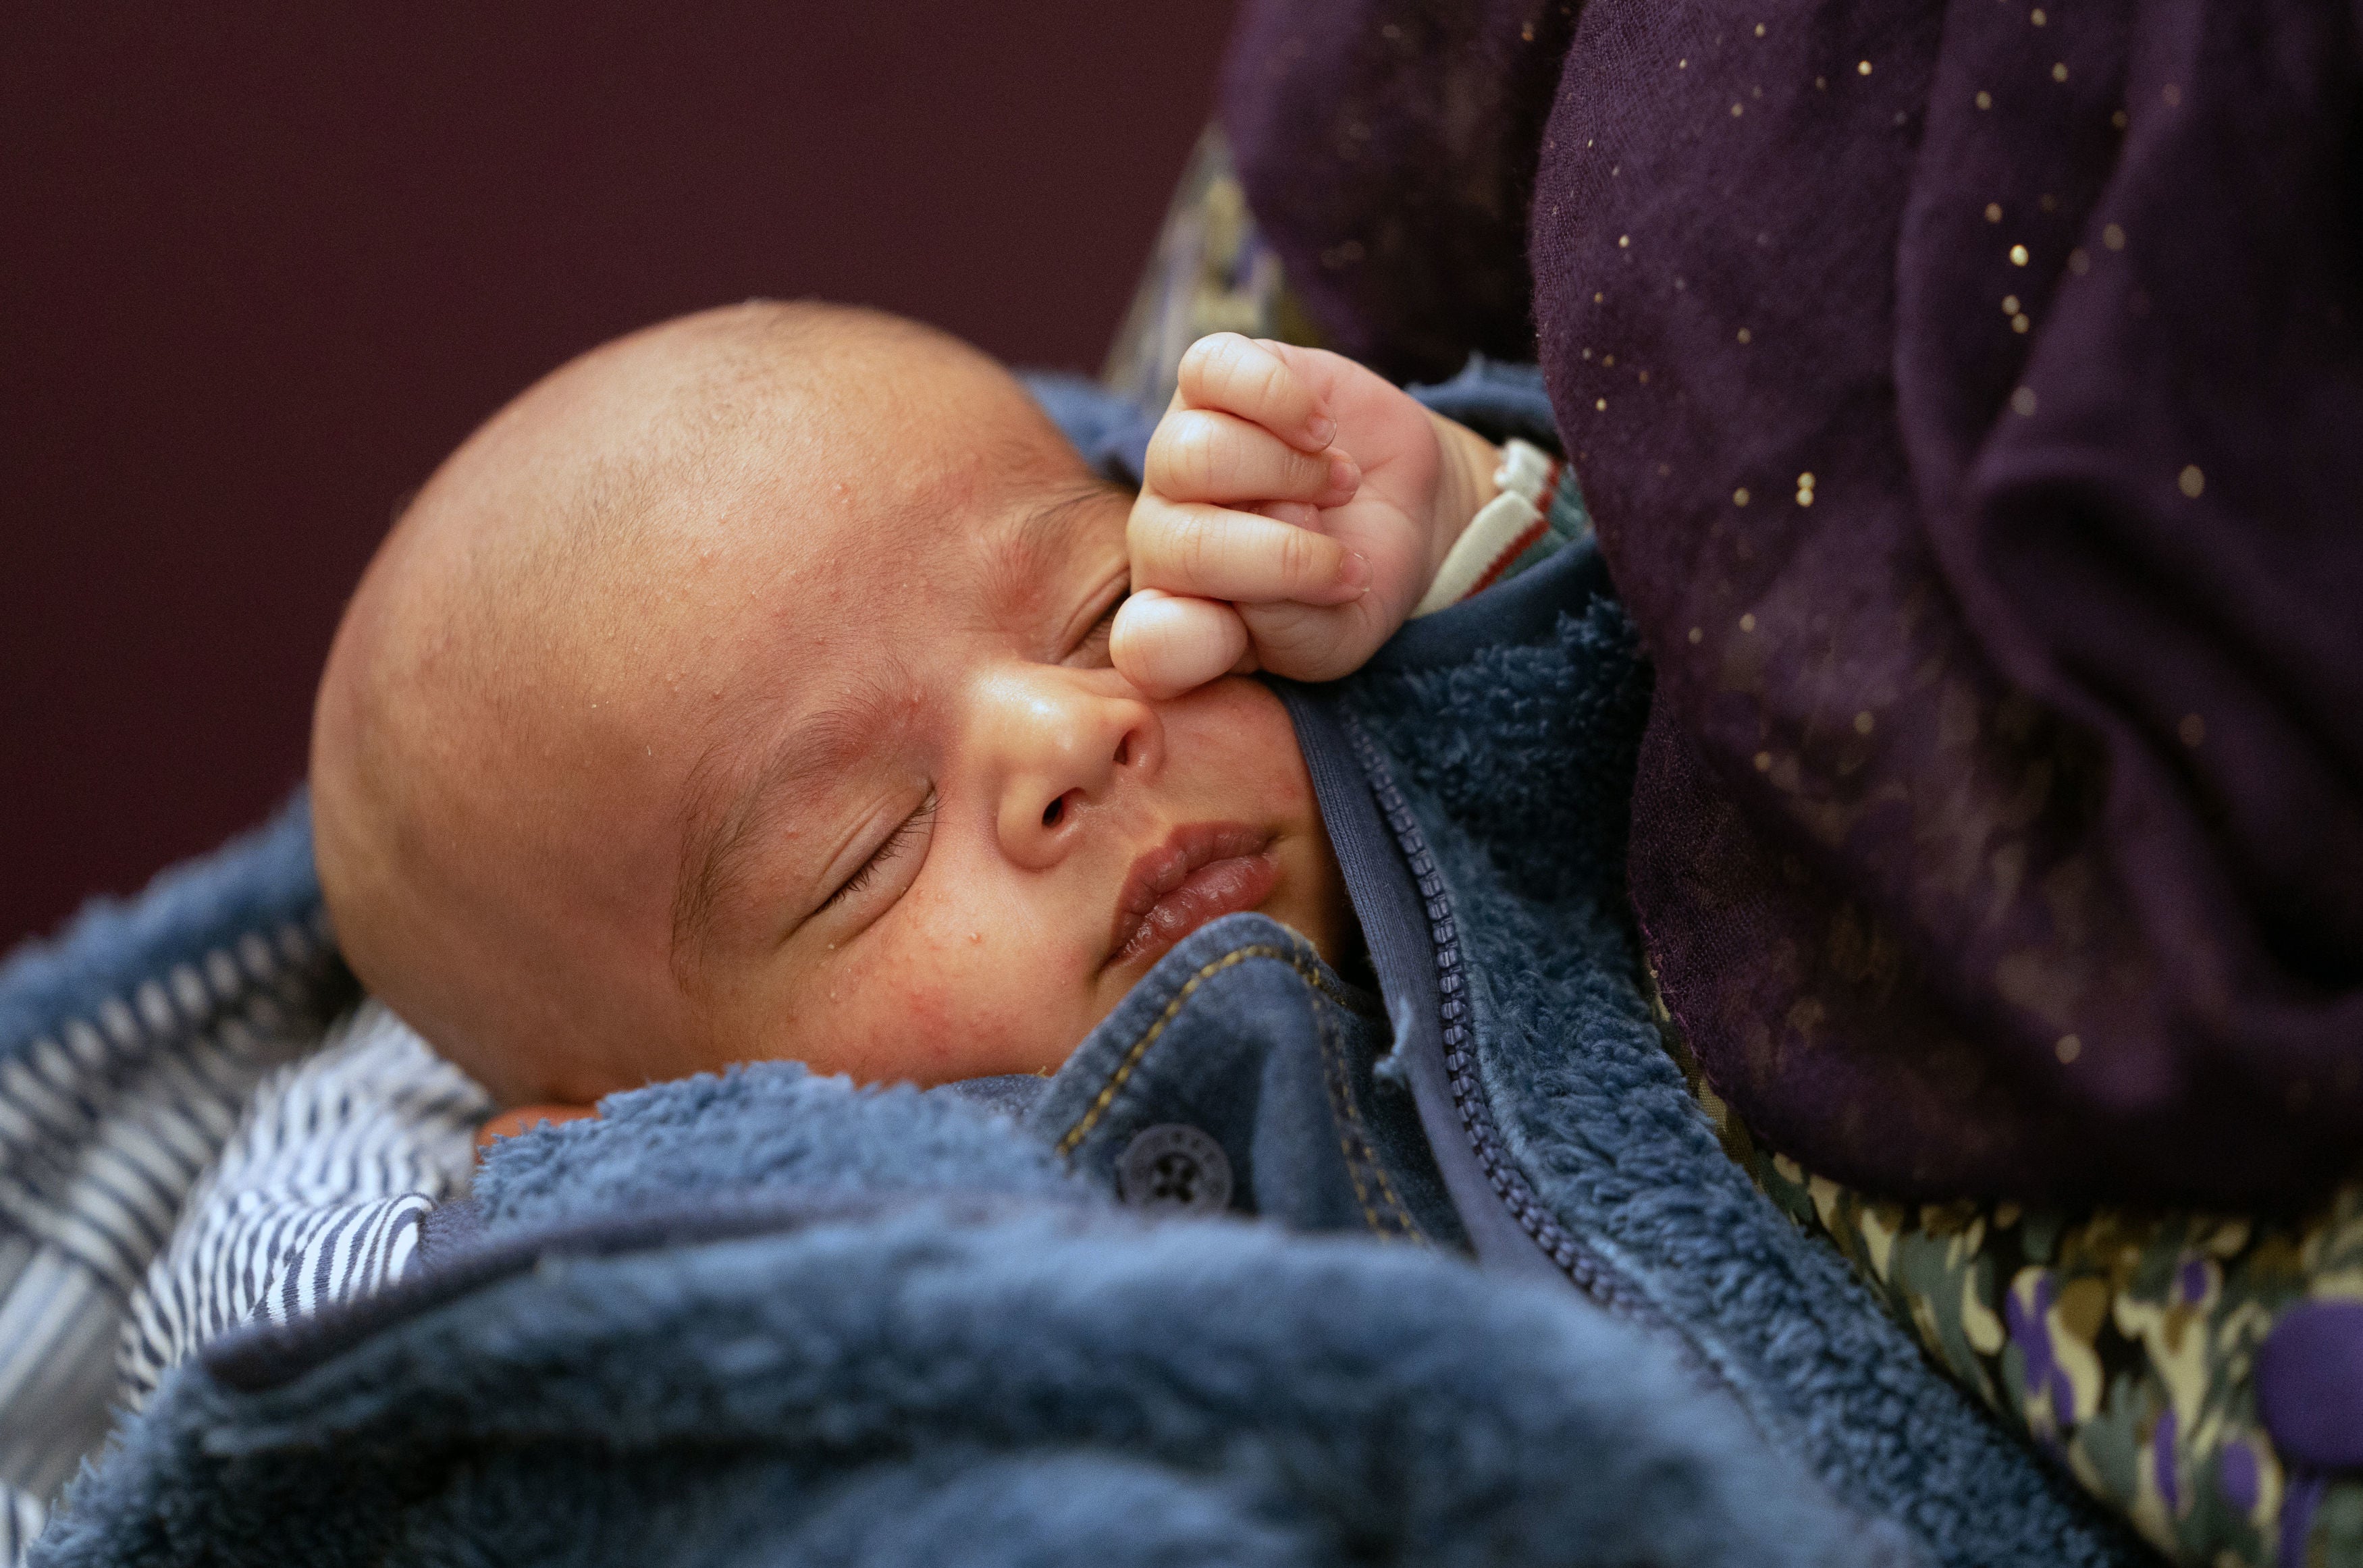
{"x": 885, "y": 1327}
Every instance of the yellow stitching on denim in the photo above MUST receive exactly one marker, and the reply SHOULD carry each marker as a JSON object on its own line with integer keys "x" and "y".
{"x": 1346, "y": 1146}
{"x": 1341, "y": 1093}
{"x": 1341, "y": 1087}
{"x": 1107, "y": 1096}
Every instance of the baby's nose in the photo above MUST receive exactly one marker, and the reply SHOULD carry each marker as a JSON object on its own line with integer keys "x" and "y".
{"x": 1065, "y": 748}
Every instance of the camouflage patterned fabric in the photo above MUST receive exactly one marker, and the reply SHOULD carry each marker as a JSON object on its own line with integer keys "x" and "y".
{"x": 2124, "y": 1343}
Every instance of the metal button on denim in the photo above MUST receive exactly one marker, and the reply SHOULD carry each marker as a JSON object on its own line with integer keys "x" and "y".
{"x": 1174, "y": 1167}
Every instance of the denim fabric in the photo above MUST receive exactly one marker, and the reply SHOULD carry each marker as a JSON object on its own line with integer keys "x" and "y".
{"x": 1244, "y": 1033}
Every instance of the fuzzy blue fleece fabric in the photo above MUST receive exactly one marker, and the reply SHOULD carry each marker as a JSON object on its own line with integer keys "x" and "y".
{"x": 933, "y": 1349}
{"x": 1515, "y": 759}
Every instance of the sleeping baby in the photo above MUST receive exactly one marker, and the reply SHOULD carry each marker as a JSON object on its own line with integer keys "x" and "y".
{"x": 779, "y": 683}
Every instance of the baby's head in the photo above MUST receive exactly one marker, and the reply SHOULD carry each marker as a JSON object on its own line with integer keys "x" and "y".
{"x": 740, "y": 691}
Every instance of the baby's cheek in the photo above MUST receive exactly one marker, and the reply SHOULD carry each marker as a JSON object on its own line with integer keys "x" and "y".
{"x": 979, "y": 999}
{"x": 919, "y": 1006}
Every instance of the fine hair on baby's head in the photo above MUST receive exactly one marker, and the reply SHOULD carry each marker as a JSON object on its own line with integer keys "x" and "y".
{"x": 741, "y": 691}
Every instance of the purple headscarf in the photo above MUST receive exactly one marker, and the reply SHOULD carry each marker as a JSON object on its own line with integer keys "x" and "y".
{"x": 1970, "y": 400}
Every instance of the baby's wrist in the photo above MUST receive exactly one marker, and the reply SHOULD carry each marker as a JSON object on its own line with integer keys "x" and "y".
{"x": 1465, "y": 485}
{"x": 1506, "y": 534}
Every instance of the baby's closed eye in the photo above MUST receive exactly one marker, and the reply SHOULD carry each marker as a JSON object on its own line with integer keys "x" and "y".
{"x": 902, "y": 841}
{"x": 1092, "y": 651}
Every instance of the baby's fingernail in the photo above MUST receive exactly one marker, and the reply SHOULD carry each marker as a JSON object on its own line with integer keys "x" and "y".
{"x": 1345, "y": 473}
{"x": 1322, "y": 428}
{"x": 1356, "y": 572}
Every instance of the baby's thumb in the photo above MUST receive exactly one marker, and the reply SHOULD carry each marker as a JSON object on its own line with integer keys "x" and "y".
{"x": 1166, "y": 644}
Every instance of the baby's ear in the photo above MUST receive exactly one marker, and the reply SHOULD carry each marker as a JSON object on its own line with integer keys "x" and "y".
{"x": 526, "y": 1117}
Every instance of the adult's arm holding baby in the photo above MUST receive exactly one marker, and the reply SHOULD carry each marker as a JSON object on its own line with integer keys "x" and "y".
{"x": 1294, "y": 509}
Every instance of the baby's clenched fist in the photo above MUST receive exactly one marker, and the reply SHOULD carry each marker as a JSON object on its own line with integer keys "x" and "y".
{"x": 1294, "y": 508}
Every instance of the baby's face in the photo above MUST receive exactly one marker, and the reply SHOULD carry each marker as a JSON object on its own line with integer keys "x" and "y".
{"x": 938, "y": 836}
{"x": 825, "y": 762}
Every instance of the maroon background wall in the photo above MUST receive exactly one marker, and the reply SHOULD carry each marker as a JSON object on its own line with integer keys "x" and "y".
{"x": 267, "y": 262}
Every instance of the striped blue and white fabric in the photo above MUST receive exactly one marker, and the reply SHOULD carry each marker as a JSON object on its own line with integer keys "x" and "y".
{"x": 185, "y": 1143}
{"x": 107, "y": 1121}
{"x": 316, "y": 1197}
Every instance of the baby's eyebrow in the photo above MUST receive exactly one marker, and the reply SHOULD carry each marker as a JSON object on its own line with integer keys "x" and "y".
{"x": 1044, "y": 536}
{"x": 717, "y": 845}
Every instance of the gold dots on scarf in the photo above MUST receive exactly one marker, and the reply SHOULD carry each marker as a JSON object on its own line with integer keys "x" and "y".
{"x": 2120, "y": 119}
{"x": 2191, "y": 482}
{"x": 1742, "y": 335}
{"x": 1698, "y": 636}
{"x": 2037, "y": 16}
{"x": 1645, "y": 378}
{"x": 1681, "y": 65}
{"x": 2171, "y": 95}
{"x": 2059, "y": 71}
{"x": 1821, "y": 83}
{"x": 2079, "y": 261}
{"x": 1985, "y": 99}
{"x": 2018, "y": 255}
{"x": 1600, "y": 406}
{"x": 1863, "y": 723}
{"x": 2114, "y": 237}
{"x": 1760, "y": 29}
{"x": 1737, "y": 111}
{"x": 1993, "y": 211}
{"x": 1763, "y": 762}
{"x": 1623, "y": 242}
{"x": 1608, "y": 361}
{"x": 1748, "y": 622}
{"x": 2021, "y": 322}
{"x": 1862, "y": 67}
{"x": 2010, "y": 305}
{"x": 1739, "y": 496}
{"x": 1806, "y": 488}
{"x": 1598, "y": 297}
{"x": 2048, "y": 201}
{"x": 2067, "y": 1049}
{"x": 2192, "y": 730}
{"x": 2022, "y": 402}
{"x": 1526, "y": 33}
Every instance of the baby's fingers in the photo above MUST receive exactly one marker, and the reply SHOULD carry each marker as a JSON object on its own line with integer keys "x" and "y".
{"x": 1203, "y": 455}
{"x": 1167, "y": 646}
{"x": 1209, "y": 553}
{"x": 1241, "y": 376}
